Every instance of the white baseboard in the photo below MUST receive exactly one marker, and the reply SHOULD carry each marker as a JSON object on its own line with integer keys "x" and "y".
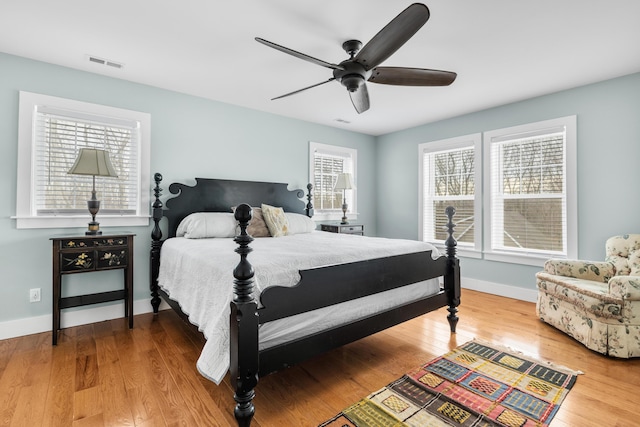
{"x": 38, "y": 324}
{"x": 516, "y": 292}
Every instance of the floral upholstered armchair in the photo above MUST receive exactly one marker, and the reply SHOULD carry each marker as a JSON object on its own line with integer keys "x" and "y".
{"x": 596, "y": 302}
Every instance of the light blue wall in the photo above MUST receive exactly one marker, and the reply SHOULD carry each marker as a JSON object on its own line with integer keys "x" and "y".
{"x": 274, "y": 148}
{"x": 608, "y": 118}
{"x": 190, "y": 137}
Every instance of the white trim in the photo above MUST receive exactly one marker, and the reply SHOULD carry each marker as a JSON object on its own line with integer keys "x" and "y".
{"x": 509, "y": 291}
{"x": 38, "y": 324}
{"x": 472, "y": 140}
{"x": 25, "y": 218}
{"x": 75, "y": 221}
{"x": 339, "y": 151}
{"x": 569, "y": 125}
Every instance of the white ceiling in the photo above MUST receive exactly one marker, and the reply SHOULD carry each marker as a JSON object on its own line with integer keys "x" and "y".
{"x": 502, "y": 50}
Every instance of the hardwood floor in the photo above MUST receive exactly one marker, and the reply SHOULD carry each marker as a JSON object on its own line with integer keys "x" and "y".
{"x": 107, "y": 375}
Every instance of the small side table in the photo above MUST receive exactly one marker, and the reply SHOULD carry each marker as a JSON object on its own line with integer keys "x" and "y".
{"x": 84, "y": 254}
{"x": 350, "y": 228}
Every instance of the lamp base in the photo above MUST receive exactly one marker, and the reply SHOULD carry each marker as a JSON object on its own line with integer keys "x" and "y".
{"x": 94, "y": 229}
{"x": 94, "y": 207}
{"x": 344, "y": 214}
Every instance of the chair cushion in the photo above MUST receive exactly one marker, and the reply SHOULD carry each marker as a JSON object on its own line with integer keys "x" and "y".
{"x": 588, "y": 295}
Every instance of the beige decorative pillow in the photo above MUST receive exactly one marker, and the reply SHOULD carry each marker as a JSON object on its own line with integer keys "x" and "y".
{"x": 257, "y": 227}
{"x": 276, "y": 220}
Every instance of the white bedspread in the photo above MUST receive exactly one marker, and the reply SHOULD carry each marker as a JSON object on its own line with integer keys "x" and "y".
{"x": 198, "y": 273}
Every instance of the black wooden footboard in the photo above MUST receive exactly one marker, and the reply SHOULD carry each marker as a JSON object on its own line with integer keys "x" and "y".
{"x": 321, "y": 287}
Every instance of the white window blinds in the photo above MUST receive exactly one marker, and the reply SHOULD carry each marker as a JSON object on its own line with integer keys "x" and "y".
{"x": 529, "y": 209}
{"x": 58, "y": 137}
{"x": 326, "y": 162}
{"x": 450, "y": 177}
{"x": 449, "y": 182}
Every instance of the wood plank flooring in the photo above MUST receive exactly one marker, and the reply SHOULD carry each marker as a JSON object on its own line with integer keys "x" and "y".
{"x": 107, "y": 375}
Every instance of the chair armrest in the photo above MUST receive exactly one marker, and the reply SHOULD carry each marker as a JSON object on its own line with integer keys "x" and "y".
{"x": 597, "y": 271}
{"x": 626, "y": 287}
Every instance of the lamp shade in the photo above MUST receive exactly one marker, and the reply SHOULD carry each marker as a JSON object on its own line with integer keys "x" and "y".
{"x": 344, "y": 182}
{"x": 93, "y": 162}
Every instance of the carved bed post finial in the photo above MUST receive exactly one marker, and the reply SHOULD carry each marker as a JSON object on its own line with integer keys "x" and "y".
{"x": 452, "y": 277}
{"x": 244, "y": 326}
{"x": 309, "y": 208}
{"x": 156, "y": 243}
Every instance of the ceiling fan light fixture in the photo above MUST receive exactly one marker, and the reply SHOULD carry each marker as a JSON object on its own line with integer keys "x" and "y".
{"x": 352, "y": 82}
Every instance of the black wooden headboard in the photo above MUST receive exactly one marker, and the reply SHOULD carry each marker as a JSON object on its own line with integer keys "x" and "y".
{"x": 219, "y": 195}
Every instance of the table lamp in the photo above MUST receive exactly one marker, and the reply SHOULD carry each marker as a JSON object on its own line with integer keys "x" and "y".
{"x": 95, "y": 163}
{"x": 344, "y": 182}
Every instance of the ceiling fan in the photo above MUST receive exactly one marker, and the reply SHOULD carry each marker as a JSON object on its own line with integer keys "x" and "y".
{"x": 362, "y": 66}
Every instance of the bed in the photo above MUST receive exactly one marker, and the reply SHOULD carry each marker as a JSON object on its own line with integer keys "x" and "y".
{"x": 264, "y": 304}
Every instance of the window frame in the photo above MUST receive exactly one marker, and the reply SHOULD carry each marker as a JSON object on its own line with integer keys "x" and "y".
{"x": 351, "y": 195}
{"x": 460, "y": 142}
{"x": 529, "y": 130}
{"x": 26, "y": 215}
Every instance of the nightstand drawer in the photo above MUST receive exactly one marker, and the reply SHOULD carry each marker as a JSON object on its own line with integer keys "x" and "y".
{"x": 343, "y": 228}
{"x": 77, "y": 260}
{"x": 352, "y": 229}
{"x": 110, "y": 258}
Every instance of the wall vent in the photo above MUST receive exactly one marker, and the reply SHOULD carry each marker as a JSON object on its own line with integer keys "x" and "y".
{"x": 105, "y": 62}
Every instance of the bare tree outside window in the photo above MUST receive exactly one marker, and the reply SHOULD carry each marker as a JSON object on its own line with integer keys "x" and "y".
{"x": 531, "y": 192}
{"x": 449, "y": 179}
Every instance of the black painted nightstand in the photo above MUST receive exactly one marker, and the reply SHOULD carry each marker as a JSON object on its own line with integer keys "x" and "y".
{"x": 350, "y": 228}
{"x": 84, "y": 254}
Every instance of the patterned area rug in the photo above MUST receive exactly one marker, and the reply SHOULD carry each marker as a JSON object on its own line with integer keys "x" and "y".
{"x": 474, "y": 385}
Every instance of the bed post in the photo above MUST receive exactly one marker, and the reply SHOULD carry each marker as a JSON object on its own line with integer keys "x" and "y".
{"x": 309, "y": 208}
{"x": 244, "y": 326}
{"x": 452, "y": 277}
{"x": 156, "y": 244}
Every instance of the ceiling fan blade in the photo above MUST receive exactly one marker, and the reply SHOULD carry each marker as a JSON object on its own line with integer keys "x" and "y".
{"x": 360, "y": 98}
{"x": 299, "y": 55}
{"x": 402, "y": 76}
{"x": 300, "y": 90}
{"x": 393, "y": 35}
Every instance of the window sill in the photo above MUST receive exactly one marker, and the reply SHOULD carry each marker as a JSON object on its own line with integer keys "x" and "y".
{"x": 75, "y": 221}
{"x": 320, "y": 216}
{"x": 536, "y": 260}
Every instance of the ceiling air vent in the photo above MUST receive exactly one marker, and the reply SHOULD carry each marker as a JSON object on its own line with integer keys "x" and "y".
{"x": 105, "y": 62}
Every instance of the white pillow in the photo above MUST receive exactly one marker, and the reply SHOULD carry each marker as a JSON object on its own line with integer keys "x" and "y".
{"x": 299, "y": 223}
{"x": 202, "y": 225}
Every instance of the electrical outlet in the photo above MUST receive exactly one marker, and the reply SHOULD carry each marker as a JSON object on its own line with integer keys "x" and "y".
{"x": 34, "y": 295}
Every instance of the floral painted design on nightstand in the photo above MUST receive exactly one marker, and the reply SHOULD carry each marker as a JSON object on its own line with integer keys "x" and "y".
{"x": 81, "y": 261}
{"x": 112, "y": 259}
{"x": 74, "y": 244}
{"x": 110, "y": 242}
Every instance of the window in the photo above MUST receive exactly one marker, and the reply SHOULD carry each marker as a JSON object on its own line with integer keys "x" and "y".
{"x": 450, "y": 176}
{"x": 51, "y": 132}
{"x": 531, "y": 192}
{"x": 325, "y": 163}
